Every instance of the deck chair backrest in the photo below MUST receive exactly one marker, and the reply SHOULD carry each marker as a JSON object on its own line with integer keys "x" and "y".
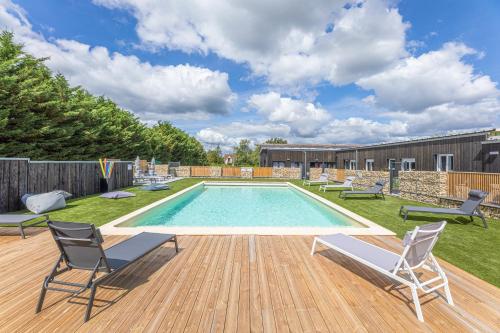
{"x": 420, "y": 242}
{"x": 348, "y": 181}
{"x": 379, "y": 186}
{"x": 80, "y": 244}
{"x": 473, "y": 201}
{"x": 323, "y": 177}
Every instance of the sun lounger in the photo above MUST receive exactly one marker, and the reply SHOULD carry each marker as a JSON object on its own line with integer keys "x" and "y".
{"x": 417, "y": 253}
{"x": 21, "y": 221}
{"x": 80, "y": 248}
{"x": 469, "y": 208}
{"x": 323, "y": 179}
{"x": 376, "y": 190}
{"x": 346, "y": 184}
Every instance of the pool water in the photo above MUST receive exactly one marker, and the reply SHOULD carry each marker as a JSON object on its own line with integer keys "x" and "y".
{"x": 242, "y": 206}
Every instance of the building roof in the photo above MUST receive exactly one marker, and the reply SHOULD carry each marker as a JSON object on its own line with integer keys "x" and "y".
{"x": 291, "y": 146}
{"x": 428, "y": 138}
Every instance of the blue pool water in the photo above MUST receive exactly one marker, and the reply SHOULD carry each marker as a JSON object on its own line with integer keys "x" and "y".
{"x": 242, "y": 206}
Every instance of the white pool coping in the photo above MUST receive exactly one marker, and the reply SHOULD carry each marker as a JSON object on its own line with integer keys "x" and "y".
{"x": 368, "y": 228}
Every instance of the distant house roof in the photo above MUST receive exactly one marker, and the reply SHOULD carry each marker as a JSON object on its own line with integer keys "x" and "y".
{"x": 290, "y": 146}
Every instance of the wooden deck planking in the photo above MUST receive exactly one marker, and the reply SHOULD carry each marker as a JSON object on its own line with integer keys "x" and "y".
{"x": 235, "y": 284}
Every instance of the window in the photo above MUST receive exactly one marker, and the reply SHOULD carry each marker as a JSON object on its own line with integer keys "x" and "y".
{"x": 391, "y": 163}
{"x": 296, "y": 165}
{"x": 278, "y": 164}
{"x": 408, "y": 164}
{"x": 369, "y": 164}
{"x": 352, "y": 164}
{"x": 346, "y": 164}
{"x": 445, "y": 162}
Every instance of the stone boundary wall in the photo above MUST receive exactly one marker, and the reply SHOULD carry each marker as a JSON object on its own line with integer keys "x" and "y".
{"x": 246, "y": 172}
{"x": 314, "y": 173}
{"x": 365, "y": 179}
{"x": 288, "y": 173}
{"x": 487, "y": 209}
{"x": 161, "y": 169}
{"x": 423, "y": 186}
{"x": 215, "y": 172}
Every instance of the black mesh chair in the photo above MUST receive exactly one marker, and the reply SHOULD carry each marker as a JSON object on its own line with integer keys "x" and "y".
{"x": 80, "y": 248}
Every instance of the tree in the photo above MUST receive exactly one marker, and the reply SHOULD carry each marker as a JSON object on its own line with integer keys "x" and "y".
{"x": 276, "y": 141}
{"x": 244, "y": 155}
{"x": 43, "y": 117}
{"x": 214, "y": 156}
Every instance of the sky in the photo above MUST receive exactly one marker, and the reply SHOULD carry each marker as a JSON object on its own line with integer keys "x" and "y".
{"x": 323, "y": 71}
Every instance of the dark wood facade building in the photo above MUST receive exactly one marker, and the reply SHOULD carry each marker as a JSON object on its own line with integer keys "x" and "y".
{"x": 472, "y": 152}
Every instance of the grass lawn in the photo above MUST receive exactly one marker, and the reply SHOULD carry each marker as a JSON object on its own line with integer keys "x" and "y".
{"x": 465, "y": 244}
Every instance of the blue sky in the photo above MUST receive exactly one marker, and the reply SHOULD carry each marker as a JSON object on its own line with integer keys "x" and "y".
{"x": 341, "y": 71}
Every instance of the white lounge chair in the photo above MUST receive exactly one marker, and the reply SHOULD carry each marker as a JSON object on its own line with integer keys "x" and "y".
{"x": 346, "y": 184}
{"x": 416, "y": 254}
{"x": 323, "y": 179}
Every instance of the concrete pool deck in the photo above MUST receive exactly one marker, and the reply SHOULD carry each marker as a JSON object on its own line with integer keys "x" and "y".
{"x": 367, "y": 227}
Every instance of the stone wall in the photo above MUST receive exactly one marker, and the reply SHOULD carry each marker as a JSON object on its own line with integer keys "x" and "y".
{"x": 247, "y": 173}
{"x": 161, "y": 169}
{"x": 181, "y": 171}
{"x": 288, "y": 173}
{"x": 424, "y": 186}
{"x": 215, "y": 172}
{"x": 365, "y": 179}
{"x": 314, "y": 173}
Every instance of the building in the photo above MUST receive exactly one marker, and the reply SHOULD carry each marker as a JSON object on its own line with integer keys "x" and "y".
{"x": 299, "y": 155}
{"x": 471, "y": 152}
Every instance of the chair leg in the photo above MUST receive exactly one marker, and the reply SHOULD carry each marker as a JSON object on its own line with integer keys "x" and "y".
{"x": 416, "y": 301}
{"x": 176, "y": 245}
{"x": 21, "y": 230}
{"x": 484, "y": 221}
{"x": 313, "y": 247}
{"x": 91, "y": 303}
{"x": 41, "y": 298}
{"x": 447, "y": 292}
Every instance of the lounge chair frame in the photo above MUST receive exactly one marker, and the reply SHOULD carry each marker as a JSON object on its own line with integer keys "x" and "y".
{"x": 403, "y": 267}
{"x": 323, "y": 179}
{"x": 21, "y": 224}
{"x": 324, "y": 187}
{"x": 476, "y": 212}
{"x": 370, "y": 191}
{"x": 93, "y": 281}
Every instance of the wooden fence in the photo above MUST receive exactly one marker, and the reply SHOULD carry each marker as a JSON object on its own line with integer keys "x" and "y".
{"x": 340, "y": 176}
{"x": 460, "y": 183}
{"x": 231, "y": 172}
{"x": 263, "y": 172}
{"x": 80, "y": 178}
{"x": 200, "y": 171}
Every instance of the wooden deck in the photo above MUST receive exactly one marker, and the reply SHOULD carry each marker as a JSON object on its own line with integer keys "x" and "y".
{"x": 234, "y": 284}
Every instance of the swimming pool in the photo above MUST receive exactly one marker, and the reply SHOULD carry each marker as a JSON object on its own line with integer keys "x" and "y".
{"x": 223, "y": 208}
{"x": 242, "y": 206}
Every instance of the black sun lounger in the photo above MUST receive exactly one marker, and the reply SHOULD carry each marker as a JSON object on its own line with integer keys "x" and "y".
{"x": 375, "y": 190}
{"x": 20, "y": 220}
{"x": 469, "y": 208}
{"x": 80, "y": 248}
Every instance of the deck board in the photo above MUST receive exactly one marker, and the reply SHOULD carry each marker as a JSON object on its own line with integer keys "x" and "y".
{"x": 235, "y": 284}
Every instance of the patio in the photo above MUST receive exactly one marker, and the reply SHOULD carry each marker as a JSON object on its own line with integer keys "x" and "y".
{"x": 235, "y": 283}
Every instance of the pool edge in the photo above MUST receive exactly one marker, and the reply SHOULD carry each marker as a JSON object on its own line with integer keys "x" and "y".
{"x": 370, "y": 227}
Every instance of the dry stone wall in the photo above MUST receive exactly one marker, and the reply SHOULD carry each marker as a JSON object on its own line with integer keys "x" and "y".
{"x": 365, "y": 179}
{"x": 161, "y": 169}
{"x": 424, "y": 186}
{"x": 215, "y": 172}
{"x": 314, "y": 173}
{"x": 288, "y": 173}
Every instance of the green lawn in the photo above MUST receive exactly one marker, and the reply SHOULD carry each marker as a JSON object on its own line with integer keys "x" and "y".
{"x": 464, "y": 244}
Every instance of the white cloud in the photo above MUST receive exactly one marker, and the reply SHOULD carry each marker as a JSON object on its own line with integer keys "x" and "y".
{"x": 152, "y": 92}
{"x": 229, "y": 135}
{"x": 429, "y": 80}
{"x": 289, "y": 41}
{"x": 304, "y": 118}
